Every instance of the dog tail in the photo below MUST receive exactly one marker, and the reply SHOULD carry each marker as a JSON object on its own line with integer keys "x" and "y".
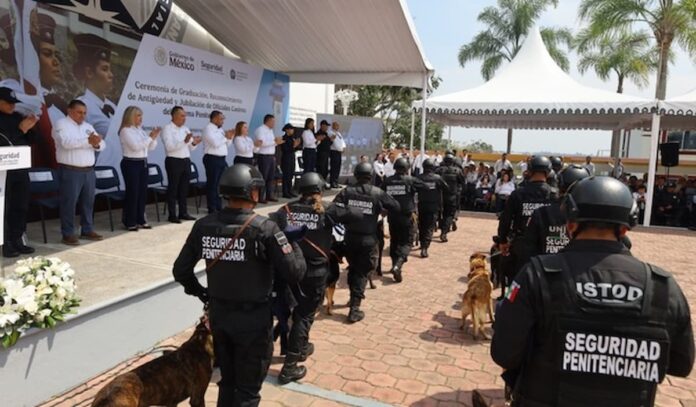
{"x": 477, "y": 399}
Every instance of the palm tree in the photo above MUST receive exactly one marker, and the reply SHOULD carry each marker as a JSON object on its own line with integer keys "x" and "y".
{"x": 628, "y": 54}
{"x": 668, "y": 20}
{"x": 508, "y": 25}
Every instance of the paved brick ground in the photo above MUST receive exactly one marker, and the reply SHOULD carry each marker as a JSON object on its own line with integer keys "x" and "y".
{"x": 410, "y": 350}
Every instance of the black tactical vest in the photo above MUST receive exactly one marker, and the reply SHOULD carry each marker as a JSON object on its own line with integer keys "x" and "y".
{"x": 532, "y": 197}
{"x": 316, "y": 245}
{"x": 596, "y": 353}
{"x": 365, "y": 198}
{"x": 450, "y": 175}
{"x": 430, "y": 196}
{"x": 400, "y": 187}
{"x": 243, "y": 274}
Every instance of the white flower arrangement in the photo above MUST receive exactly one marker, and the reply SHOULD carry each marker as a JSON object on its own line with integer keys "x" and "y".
{"x": 39, "y": 294}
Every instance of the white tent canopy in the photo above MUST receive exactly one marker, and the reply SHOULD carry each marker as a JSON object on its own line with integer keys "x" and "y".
{"x": 679, "y": 112}
{"x": 532, "y": 92}
{"x": 360, "y": 42}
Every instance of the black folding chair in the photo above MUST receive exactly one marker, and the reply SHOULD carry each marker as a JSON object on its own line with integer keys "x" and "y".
{"x": 107, "y": 181}
{"x": 44, "y": 184}
{"x": 155, "y": 183}
{"x": 198, "y": 186}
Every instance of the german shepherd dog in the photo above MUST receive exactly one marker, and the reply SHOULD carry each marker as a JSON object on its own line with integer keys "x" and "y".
{"x": 167, "y": 380}
{"x": 476, "y": 301}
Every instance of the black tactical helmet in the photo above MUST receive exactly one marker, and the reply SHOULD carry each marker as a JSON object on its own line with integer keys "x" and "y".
{"x": 570, "y": 174}
{"x": 600, "y": 199}
{"x": 363, "y": 170}
{"x": 401, "y": 164}
{"x": 428, "y": 164}
{"x": 539, "y": 163}
{"x": 556, "y": 163}
{"x": 311, "y": 183}
{"x": 449, "y": 159}
{"x": 239, "y": 180}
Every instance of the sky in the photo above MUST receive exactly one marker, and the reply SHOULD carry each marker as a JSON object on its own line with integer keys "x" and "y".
{"x": 443, "y": 26}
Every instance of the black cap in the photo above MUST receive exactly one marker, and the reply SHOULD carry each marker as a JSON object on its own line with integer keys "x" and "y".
{"x": 288, "y": 126}
{"x": 311, "y": 183}
{"x": 43, "y": 27}
{"x": 92, "y": 48}
{"x": 324, "y": 123}
{"x": 600, "y": 199}
{"x": 7, "y": 53}
{"x": 8, "y": 95}
{"x": 239, "y": 180}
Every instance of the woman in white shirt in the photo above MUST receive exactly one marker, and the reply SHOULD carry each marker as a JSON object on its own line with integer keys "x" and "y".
{"x": 378, "y": 166}
{"x": 503, "y": 189}
{"x": 136, "y": 144}
{"x": 243, "y": 144}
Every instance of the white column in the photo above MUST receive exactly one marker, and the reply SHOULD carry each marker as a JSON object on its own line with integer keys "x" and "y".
{"x": 652, "y": 167}
{"x": 413, "y": 128}
{"x": 425, "y": 96}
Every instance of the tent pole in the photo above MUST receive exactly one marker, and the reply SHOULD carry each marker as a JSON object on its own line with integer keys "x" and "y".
{"x": 425, "y": 95}
{"x": 509, "y": 141}
{"x": 652, "y": 167}
{"x": 413, "y": 128}
{"x": 449, "y": 137}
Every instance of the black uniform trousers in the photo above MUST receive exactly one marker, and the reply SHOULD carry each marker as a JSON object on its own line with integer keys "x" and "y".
{"x": 426, "y": 225}
{"x": 16, "y": 204}
{"x": 135, "y": 177}
{"x": 215, "y": 165}
{"x": 243, "y": 349}
{"x": 400, "y": 236}
{"x": 178, "y": 180}
{"x": 309, "y": 294}
{"x": 449, "y": 211}
{"x": 335, "y": 166}
{"x": 267, "y": 167}
{"x": 287, "y": 165}
{"x": 323, "y": 164}
{"x": 243, "y": 160}
{"x": 309, "y": 160}
{"x": 362, "y": 254}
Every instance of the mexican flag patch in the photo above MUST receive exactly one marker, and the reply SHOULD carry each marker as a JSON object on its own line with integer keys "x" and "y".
{"x": 512, "y": 291}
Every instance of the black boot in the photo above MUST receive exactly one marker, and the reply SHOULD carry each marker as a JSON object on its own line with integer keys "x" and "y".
{"x": 283, "y": 343}
{"x": 355, "y": 315}
{"x": 443, "y": 237}
{"x": 454, "y": 226}
{"x": 396, "y": 269}
{"x": 307, "y": 351}
{"x": 10, "y": 250}
{"x": 22, "y": 248}
{"x": 424, "y": 251}
{"x": 291, "y": 371}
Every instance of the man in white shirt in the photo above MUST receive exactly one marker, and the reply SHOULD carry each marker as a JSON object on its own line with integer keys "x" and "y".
{"x": 438, "y": 158}
{"x": 616, "y": 168}
{"x": 76, "y": 143}
{"x": 502, "y": 164}
{"x": 266, "y": 142}
{"x": 178, "y": 143}
{"x": 217, "y": 142}
{"x": 589, "y": 165}
{"x": 337, "y": 148}
{"x": 417, "y": 166}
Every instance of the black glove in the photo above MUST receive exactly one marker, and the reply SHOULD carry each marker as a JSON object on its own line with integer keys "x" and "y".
{"x": 295, "y": 233}
{"x": 193, "y": 287}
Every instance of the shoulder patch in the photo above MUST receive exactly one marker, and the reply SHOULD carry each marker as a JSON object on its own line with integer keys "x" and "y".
{"x": 281, "y": 238}
{"x": 660, "y": 272}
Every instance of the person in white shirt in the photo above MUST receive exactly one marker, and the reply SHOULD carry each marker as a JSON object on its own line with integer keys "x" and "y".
{"x": 502, "y": 164}
{"x": 243, "y": 144}
{"x": 389, "y": 165}
{"x": 309, "y": 147}
{"x": 438, "y": 158}
{"x": 503, "y": 188}
{"x": 76, "y": 143}
{"x": 616, "y": 169}
{"x": 589, "y": 165}
{"x": 378, "y": 166}
{"x": 178, "y": 143}
{"x": 216, "y": 144}
{"x": 417, "y": 165}
{"x": 337, "y": 147}
{"x": 266, "y": 142}
{"x": 136, "y": 144}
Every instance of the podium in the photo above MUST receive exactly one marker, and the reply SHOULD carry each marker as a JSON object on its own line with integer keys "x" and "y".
{"x": 11, "y": 158}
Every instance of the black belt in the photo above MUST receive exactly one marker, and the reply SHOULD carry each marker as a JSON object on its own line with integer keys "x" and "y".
{"x": 135, "y": 159}
{"x": 75, "y": 168}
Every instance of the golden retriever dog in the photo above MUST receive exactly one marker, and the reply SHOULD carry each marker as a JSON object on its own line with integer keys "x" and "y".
{"x": 476, "y": 301}
{"x": 167, "y": 380}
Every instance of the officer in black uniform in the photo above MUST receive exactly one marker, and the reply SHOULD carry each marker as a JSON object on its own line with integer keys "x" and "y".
{"x": 454, "y": 178}
{"x": 323, "y": 149}
{"x": 519, "y": 208}
{"x": 402, "y": 187}
{"x": 15, "y": 130}
{"x": 361, "y": 237}
{"x": 291, "y": 143}
{"x": 319, "y": 218}
{"x": 430, "y": 192}
{"x": 243, "y": 253}
{"x": 593, "y": 325}
{"x": 546, "y": 231}
{"x": 556, "y": 167}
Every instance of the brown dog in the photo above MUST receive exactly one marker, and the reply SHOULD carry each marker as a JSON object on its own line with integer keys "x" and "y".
{"x": 476, "y": 301}
{"x": 167, "y": 380}
{"x": 477, "y": 399}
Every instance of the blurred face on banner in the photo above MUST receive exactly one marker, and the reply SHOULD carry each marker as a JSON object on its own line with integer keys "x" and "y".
{"x": 100, "y": 78}
{"x": 49, "y": 65}
{"x": 78, "y": 113}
